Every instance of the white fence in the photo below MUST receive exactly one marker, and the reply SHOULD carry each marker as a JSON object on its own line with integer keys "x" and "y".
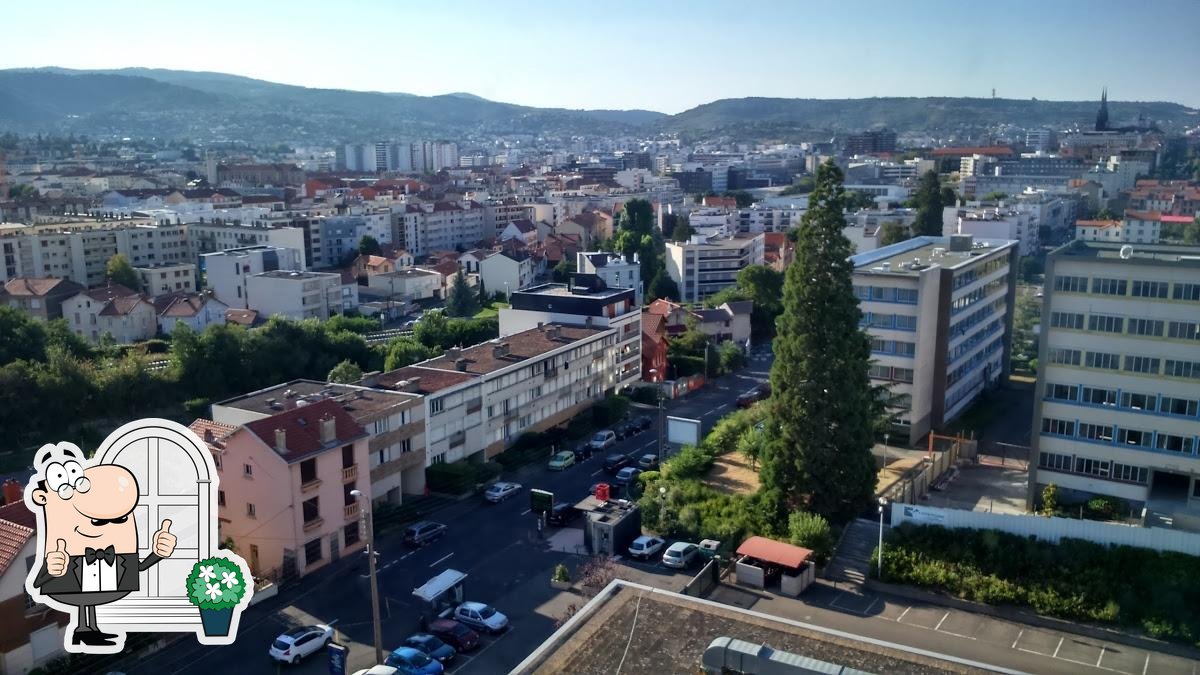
{"x": 1050, "y": 529}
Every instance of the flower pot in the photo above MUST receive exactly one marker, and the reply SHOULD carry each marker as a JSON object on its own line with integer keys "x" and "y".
{"x": 560, "y": 585}
{"x": 216, "y": 621}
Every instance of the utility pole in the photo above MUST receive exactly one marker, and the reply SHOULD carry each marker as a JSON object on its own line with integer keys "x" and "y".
{"x": 366, "y": 524}
{"x": 661, "y": 427}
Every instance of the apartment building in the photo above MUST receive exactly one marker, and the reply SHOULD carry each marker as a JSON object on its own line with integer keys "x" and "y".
{"x": 1119, "y": 377}
{"x": 703, "y": 266}
{"x": 757, "y": 219}
{"x": 300, "y": 295}
{"x": 162, "y": 278}
{"x": 422, "y": 228}
{"x": 41, "y": 298}
{"x": 284, "y": 497}
{"x": 410, "y": 283}
{"x": 939, "y": 313}
{"x": 507, "y": 271}
{"x": 480, "y": 399}
{"x": 585, "y": 300}
{"x": 226, "y": 271}
{"x": 993, "y": 222}
{"x": 1122, "y": 231}
{"x": 113, "y": 310}
{"x": 214, "y": 237}
{"x": 617, "y": 271}
{"x": 79, "y": 250}
{"x": 393, "y": 421}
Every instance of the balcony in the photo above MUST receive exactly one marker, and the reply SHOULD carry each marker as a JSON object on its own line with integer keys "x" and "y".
{"x": 315, "y": 523}
{"x": 350, "y": 472}
{"x": 351, "y": 511}
{"x": 310, "y": 486}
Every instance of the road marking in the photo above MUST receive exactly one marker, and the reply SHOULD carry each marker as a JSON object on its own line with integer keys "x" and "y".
{"x": 903, "y": 614}
{"x": 597, "y": 472}
{"x": 1055, "y": 654}
{"x": 406, "y": 555}
{"x": 648, "y": 445}
{"x": 1019, "y": 634}
{"x": 444, "y": 559}
{"x": 939, "y": 624}
{"x": 870, "y": 606}
{"x": 1147, "y": 666}
{"x": 526, "y": 512}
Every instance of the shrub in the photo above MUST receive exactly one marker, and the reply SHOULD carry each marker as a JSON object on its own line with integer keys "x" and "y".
{"x": 690, "y": 462}
{"x": 196, "y": 406}
{"x": 561, "y": 573}
{"x": 812, "y": 532}
{"x": 610, "y": 411}
{"x": 644, "y": 395}
{"x": 1049, "y": 499}
{"x": 459, "y": 477}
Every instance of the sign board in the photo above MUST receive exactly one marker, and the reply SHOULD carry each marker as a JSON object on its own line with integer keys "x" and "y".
{"x": 541, "y": 501}
{"x": 337, "y": 658}
{"x": 919, "y": 515}
{"x": 683, "y": 431}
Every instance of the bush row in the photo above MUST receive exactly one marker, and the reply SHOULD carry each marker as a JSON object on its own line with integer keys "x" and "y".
{"x": 459, "y": 477}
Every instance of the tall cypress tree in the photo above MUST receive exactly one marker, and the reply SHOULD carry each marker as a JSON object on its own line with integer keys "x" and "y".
{"x": 821, "y": 399}
{"x": 929, "y": 206}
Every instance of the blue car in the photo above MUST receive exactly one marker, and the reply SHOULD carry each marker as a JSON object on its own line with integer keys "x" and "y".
{"x": 411, "y": 661}
{"x": 431, "y": 646}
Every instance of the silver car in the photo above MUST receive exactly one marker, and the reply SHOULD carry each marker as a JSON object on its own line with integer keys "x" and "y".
{"x": 680, "y": 555}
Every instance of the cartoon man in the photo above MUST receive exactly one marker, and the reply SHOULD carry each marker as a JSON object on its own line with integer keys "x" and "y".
{"x": 90, "y": 535}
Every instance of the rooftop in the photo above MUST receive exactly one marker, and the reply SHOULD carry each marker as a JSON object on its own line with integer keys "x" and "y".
{"x": 17, "y": 525}
{"x": 302, "y": 429}
{"x": 295, "y": 275}
{"x": 408, "y": 273}
{"x": 578, "y": 288}
{"x": 932, "y": 252}
{"x": 360, "y": 402}
{"x": 1159, "y": 254}
{"x": 501, "y": 353}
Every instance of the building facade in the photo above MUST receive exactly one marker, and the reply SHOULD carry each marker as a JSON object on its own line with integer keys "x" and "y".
{"x": 703, "y": 266}
{"x": 299, "y": 295}
{"x": 226, "y": 271}
{"x": 163, "y": 278}
{"x": 616, "y": 271}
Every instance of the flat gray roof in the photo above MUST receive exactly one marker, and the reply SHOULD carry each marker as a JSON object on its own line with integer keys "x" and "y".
{"x": 923, "y": 248}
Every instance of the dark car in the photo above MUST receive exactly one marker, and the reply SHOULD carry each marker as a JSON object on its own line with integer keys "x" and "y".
{"x": 432, "y": 646}
{"x": 458, "y": 635}
{"x": 749, "y": 398}
{"x": 582, "y": 452}
{"x": 643, "y": 422}
{"x": 627, "y": 430}
{"x": 562, "y": 513}
{"x": 614, "y": 463}
{"x": 423, "y": 532}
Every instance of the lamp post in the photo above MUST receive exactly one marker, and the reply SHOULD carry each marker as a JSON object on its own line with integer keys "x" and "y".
{"x": 506, "y": 295}
{"x": 882, "y": 504}
{"x": 885, "y": 449}
{"x": 661, "y": 410}
{"x": 366, "y": 524}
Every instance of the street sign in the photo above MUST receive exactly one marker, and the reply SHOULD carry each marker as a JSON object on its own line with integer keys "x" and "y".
{"x": 337, "y": 658}
{"x": 683, "y": 431}
{"x": 541, "y": 501}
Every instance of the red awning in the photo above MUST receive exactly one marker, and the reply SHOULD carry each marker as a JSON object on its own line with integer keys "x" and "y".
{"x": 777, "y": 552}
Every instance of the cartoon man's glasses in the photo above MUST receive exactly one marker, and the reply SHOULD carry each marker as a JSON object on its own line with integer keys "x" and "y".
{"x": 67, "y": 478}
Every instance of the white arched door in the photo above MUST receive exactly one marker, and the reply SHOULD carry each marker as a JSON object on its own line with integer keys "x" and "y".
{"x": 175, "y": 474}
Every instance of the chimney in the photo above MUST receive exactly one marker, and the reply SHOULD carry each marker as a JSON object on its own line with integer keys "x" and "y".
{"x": 460, "y": 365}
{"x": 500, "y": 350}
{"x": 13, "y": 491}
{"x": 371, "y": 379}
{"x": 328, "y": 429}
{"x": 452, "y": 353}
{"x": 280, "y": 441}
{"x": 553, "y": 332}
{"x": 411, "y": 385}
{"x": 208, "y": 436}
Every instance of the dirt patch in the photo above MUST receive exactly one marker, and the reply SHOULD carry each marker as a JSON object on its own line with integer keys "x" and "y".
{"x": 732, "y": 474}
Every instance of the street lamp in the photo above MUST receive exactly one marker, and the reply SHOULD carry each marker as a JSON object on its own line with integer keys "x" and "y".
{"x": 882, "y": 503}
{"x": 366, "y": 525}
{"x": 661, "y": 411}
{"x": 885, "y": 449}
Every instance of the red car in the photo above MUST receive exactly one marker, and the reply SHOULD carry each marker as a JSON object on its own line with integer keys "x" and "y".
{"x": 456, "y": 634}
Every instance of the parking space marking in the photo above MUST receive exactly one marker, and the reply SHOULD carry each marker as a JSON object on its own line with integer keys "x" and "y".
{"x": 942, "y": 621}
{"x": 871, "y": 606}
{"x": 1060, "y": 641}
{"x": 442, "y": 560}
{"x": 1014, "y": 644}
{"x": 1101, "y": 658}
{"x": 1147, "y": 665}
{"x": 597, "y": 472}
{"x": 902, "y": 614}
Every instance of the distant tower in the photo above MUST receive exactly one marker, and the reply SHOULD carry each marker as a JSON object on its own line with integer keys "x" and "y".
{"x": 1102, "y": 114}
{"x": 993, "y": 93}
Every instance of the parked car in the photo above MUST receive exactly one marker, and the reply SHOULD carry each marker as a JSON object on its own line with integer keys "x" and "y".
{"x": 648, "y": 462}
{"x": 498, "y": 492}
{"x": 627, "y": 430}
{"x": 748, "y": 399}
{"x": 645, "y": 546}
{"x": 603, "y": 440}
{"x": 583, "y": 452}
{"x": 411, "y": 661}
{"x": 614, "y": 463}
{"x": 481, "y": 617}
{"x": 300, "y": 642}
{"x": 562, "y": 513}
{"x": 561, "y": 460}
{"x": 643, "y": 422}
{"x": 681, "y": 555}
{"x": 378, "y": 670}
{"x": 627, "y": 475}
{"x": 432, "y": 646}
{"x": 454, "y": 633}
{"x": 419, "y": 534}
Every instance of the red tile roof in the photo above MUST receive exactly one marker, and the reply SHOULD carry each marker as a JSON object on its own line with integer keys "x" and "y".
{"x": 431, "y": 380}
{"x": 302, "y": 429}
{"x": 241, "y": 317}
{"x": 122, "y": 306}
{"x": 219, "y": 432}
{"x": 17, "y": 526}
{"x": 652, "y": 326}
{"x": 769, "y": 550}
{"x": 37, "y": 287}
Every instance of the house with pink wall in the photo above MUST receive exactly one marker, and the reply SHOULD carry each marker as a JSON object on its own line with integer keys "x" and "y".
{"x": 284, "y": 497}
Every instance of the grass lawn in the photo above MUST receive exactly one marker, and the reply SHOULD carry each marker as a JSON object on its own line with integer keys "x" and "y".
{"x": 491, "y": 310}
{"x": 733, "y": 475}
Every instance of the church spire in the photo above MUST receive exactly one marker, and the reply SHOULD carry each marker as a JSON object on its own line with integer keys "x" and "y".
{"x": 1102, "y": 114}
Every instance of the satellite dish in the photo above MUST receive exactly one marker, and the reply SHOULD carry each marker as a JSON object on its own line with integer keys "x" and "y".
{"x": 1126, "y": 252}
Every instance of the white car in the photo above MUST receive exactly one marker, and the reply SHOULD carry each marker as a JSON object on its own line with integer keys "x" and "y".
{"x": 603, "y": 440}
{"x": 480, "y": 616}
{"x": 378, "y": 670}
{"x": 300, "y": 642}
{"x": 680, "y": 554}
{"x": 498, "y": 492}
{"x": 645, "y": 546}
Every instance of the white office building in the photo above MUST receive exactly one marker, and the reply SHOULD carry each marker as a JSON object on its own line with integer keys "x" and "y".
{"x": 226, "y": 271}
{"x": 703, "y": 266}
{"x": 299, "y": 295}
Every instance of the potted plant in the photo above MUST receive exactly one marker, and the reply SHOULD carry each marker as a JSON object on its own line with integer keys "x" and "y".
{"x": 216, "y": 586}
{"x": 561, "y": 579}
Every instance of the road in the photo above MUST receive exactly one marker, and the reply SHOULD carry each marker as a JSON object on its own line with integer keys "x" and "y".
{"x": 495, "y": 544}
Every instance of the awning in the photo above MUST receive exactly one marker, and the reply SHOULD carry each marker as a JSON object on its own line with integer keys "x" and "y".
{"x": 438, "y": 585}
{"x": 776, "y": 552}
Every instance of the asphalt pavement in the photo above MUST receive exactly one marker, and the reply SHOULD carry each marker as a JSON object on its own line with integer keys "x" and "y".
{"x": 496, "y": 545}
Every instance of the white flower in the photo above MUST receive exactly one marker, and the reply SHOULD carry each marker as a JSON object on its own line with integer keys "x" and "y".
{"x": 206, "y": 572}
{"x": 229, "y": 579}
{"x": 213, "y": 591}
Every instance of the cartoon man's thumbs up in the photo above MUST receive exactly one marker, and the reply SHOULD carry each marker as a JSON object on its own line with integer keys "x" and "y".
{"x": 56, "y": 560}
{"x": 164, "y": 541}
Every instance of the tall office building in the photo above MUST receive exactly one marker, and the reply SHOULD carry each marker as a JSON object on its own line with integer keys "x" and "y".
{"x": 1119, "y": 377}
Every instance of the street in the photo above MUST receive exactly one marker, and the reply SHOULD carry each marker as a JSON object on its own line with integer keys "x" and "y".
{"x": 496, "y": 545}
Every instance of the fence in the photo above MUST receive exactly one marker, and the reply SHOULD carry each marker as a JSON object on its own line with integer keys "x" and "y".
{"x": 917, "y": 481}
{"x": 708, "y": 578}
{"x": 1050, "y": 529}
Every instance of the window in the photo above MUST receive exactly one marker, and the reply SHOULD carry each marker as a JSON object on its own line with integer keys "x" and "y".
{"x": 308, "y": 471}
{"x": 1183, "y": 330}
{"x": 347, "y": 498}
{"x": 220, "y": 498}
{"x": 1055, "y": 461}
{"x": 347, "y": 456}
{"x": 312, "y": 552}
{"x": 1135, "y": 437}
{"x": 1068, "y": 284}
{"x": 1150, "y": 327}
{"x": 1186, "y": 369}
{"x": 1062, "y": 392}
{"x": 1142, "y": 364}
{"x": 1137, "y": 401}
{"x": 350, "y": 534}
{"x": 1064, "y": 357}
{"x": 1177, "y": 406}
{"x": 1104, "y": 286}
{"x": 247, "y": 471}
{"x": 1098, "y": 396}
{"x": 1096, "y": 432}
{"x": 217, "y": 460}
{"x": 906, "y": 295}
{"x": 1058, "y": 427}
{"x": 312, "y": 509}
{"x": 1106, "y": 324}
{"x": 1103, "y": 360}
{"x": 250, "y": 512}
{"x": 1092, "y": 467}
{"x": 1072, "y": 320}
{"x": 1186, "y": 292}
{"x": 880, "y": 372}
{"x": 902, "y": 374}
{"x": 1149, "y": 289}
{"x": 437, "y": 405}
{"x": 1131, "y": 474}
{"x": 491, "y": 411}
{"x": 1172, "y": 443}
{"x": 906, "y": 322}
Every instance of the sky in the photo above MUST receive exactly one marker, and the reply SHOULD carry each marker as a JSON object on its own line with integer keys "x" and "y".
{"x": 666, "y": 55}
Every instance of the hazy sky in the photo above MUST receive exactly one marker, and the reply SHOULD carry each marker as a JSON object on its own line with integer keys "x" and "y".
{"x": 667, "y": 55}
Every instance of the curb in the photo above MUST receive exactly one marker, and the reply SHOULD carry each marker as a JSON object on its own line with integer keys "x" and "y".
{"x": 1026, "y": 617}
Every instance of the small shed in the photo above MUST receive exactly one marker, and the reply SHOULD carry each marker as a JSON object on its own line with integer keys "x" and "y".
{"x": 440, "y": 593}
{"x": 610, "y": 525}
{"x": 761, "y": 560}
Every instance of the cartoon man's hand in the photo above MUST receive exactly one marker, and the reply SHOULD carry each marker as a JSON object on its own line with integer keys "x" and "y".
{"x": 164, "y": 541}
{"x": 56, "y": 560}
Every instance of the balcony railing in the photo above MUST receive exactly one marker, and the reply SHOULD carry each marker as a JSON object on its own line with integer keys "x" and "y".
{"x": 311, "y": 485}
{"x": 351, "y": 511}
{"x": 310, "y": 525}
{"x": 350, "y": 472}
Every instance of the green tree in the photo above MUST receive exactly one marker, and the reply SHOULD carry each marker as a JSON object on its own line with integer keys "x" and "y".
{"x": 802, "y": 186}
{"x": 994, "y": 196}
{"x": 762, "y": 286}
{"x": 21, "y": 337}
{"x": 811, "y": 532}
{"x": 929, "y": 206}
{"x": 368, "y": 245}
{"x": 858, "y": 200}
{"x": 461, "y": 300}
{"x": 681, "y": 230}
{"x": 563, "y": 270}
{"x": 730, "y": 356}
{"x": 821, "y": 398}
{"x": 119, "y": 271}
{"x": 345, "y": 372}
{"x": 893, "y": 233}
{"x": 482, "y": 295}
{"x": 404, "y": 351}
{"x": 743, "y": 198}
{"x": 1105, "y": 214}
{"x": 662, "y": 286}
{"x": 949, "y": 196}
{"x": 59, "y": 333}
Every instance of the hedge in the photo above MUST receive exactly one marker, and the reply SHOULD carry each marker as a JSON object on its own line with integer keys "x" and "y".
{"x": 1076, "y": 580}
{"x": 459, "y": 477}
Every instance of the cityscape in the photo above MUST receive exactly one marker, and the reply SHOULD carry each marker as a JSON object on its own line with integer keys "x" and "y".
{"x": 743, "y": 371}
